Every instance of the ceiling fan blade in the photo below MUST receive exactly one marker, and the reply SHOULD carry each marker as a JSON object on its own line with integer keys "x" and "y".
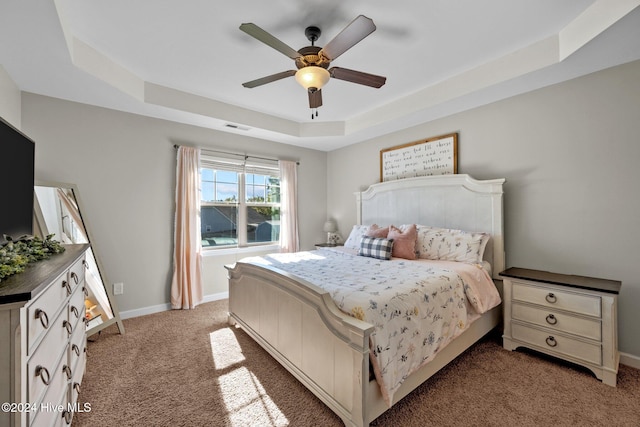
{"x": 357, "y": 30}
{"x": 258, "y": 33}
{"x": 315, "y": 98}
{"x": 357, "y": 77}
{"x": 269, "y": 79}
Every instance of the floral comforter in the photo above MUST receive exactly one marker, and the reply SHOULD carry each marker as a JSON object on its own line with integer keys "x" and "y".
{"x": 416, "y": 307}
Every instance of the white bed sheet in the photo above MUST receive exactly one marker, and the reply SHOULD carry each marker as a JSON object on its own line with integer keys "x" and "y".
{"x": 417, "y": 307}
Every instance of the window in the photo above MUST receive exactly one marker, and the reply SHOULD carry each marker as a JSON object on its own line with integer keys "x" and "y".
{"x": 240, "y": 203}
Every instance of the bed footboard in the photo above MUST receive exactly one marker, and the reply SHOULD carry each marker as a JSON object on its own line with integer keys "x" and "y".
{"x": 300, "y": 326}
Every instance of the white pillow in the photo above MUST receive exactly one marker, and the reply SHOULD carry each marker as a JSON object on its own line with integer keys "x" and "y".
{"x": 451, "y": 245}
{"x": 353, "y": 241}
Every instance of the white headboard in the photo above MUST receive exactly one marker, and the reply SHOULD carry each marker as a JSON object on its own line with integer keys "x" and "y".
{"x": 447, "y": 201}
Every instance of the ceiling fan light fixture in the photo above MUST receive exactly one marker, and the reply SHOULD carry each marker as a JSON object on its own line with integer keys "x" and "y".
{"x": 312, "y": 77}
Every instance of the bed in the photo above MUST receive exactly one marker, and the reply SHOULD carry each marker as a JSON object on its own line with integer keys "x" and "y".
{"x": 331, "y": 352}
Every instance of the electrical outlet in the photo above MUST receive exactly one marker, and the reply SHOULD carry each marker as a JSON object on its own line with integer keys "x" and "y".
{"x": 118, "y": 288}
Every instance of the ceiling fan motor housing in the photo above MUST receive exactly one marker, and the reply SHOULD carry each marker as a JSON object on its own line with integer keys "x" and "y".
{"x": 310, "y": 57}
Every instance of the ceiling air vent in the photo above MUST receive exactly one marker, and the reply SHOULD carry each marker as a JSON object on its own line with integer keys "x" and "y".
{"x": 233, "y": 126}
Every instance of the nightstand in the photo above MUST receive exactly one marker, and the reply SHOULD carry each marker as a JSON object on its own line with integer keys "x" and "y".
{"x": 570, "y": 317}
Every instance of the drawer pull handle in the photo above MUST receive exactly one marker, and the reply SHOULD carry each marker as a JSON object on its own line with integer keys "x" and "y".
{"x": 44, "y": 319}
{"x": 551, "y": 298}
{"x": 76, "y": 349}
{"x": 67, "y": 416}
{"x": 85, "y": 263}
{"x": 42, "y": 372}
{"x": 66, "y": 285}
{"x": 76, "y": 387}
{"x": 551, "y": 319}
{"x": 68, "y": 327}
{"x": 74, "y": 276}
{"x": 75, "y": 311}
{"x": 551, "y": 341}
{"x": 85, "y": 291}
{"x": 67, "y": 370}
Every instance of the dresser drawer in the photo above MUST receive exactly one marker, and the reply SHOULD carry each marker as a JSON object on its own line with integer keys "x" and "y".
{"x": 76, "y": 310}
{"x": 49, "y": 410}
{"x": 561, "y": 300}
{"x": 76, "y": 273}
{"x": 559, "y": 321}
{"x": 42, "y": 366}
{"x": 557, "y": 343}
{"x": 77, "y": 348}
{"x": 44, "y": 309}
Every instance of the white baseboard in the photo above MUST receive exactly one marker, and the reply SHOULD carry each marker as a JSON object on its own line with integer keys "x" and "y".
{"x": 166, "y": 307}
{"x": 630, "y": 360}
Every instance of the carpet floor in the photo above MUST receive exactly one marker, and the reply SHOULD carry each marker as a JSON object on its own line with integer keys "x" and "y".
{"x": 189, "y": 368}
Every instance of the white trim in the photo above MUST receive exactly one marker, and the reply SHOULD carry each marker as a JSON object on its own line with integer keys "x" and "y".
{"x": 211, "y": 252}
{"x": 630, "y": 360}
{"x": 166, "y": 307}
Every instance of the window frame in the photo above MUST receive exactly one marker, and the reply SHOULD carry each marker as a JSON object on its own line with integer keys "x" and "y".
{"x": 242, "y": 168}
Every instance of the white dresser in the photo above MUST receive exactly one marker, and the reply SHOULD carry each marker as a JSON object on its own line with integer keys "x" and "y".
{"x": 43, "y": 336}
{"x": 570, "y": 317}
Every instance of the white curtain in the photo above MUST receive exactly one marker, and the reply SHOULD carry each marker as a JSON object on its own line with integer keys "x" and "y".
{"x": 288, "y": 206}
{"x": 186, "y": 287}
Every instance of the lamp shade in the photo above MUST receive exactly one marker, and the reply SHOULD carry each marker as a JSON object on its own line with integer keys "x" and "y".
{"x": 312, "y": 77}
{"x": 330, "y": 226}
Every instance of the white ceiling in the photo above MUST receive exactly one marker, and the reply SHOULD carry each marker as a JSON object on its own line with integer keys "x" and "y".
{"x": 186, "y": 61}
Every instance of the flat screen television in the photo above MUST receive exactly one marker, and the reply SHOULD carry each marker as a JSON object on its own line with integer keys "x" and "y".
{"x": 17, "y": 155}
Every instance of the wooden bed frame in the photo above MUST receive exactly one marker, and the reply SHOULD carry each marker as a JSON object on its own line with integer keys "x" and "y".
{"x": 327, "y": 350}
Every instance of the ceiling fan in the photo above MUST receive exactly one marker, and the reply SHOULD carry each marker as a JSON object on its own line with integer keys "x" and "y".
{"x": 313, "y": 61}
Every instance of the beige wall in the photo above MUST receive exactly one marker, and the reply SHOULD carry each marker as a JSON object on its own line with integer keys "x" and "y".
{"x": 124, "y": 167}
{"x": 9, "y": 99}
{"x": 570, "y": 155}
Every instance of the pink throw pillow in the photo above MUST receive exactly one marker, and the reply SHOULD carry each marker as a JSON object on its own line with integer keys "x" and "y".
{"x": 404, "y": 241}
{"x": 376, "y": 231}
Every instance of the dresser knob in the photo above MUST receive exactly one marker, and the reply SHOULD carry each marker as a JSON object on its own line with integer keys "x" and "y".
{"x": 43, "y": 373}
{"x": 67, "y": 416}
{"x": 551, "y": 298}
{"x": 551, "y": 341}
{"x": 551, "y": 319}
{"x": 68, "y": 327}
{"x": 67, "y": 370}
{"x": 44, "y": 319}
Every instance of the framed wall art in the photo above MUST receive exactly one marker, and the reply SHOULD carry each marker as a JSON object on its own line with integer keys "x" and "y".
{"x": 431, "y": 156}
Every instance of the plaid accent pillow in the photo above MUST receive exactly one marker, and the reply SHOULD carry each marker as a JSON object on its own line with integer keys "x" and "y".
{"x": 376, "y": 247}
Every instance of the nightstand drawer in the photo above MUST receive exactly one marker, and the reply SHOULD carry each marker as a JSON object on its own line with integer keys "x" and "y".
{"x": 557, "y": 343}
{"x": 584, "y": 327}
{"x": 560, "y": 300}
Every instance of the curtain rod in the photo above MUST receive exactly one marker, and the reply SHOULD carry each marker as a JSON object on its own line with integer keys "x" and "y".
{"x": 246, "y": 156}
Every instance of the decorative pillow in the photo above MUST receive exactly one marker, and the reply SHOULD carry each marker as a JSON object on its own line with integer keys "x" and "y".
{"x": 376, "y": 231}
{"x": 353, "y": 241}
{"x": 404, "y": 241}
{"x": 451, "y": 245}
{"x": 376, "y": 247}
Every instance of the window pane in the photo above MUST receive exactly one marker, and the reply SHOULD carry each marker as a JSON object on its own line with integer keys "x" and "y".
{"x": 273, "y": 190}
{"x": 226, "y": 192}
{"x": 226, "y": 176}
{"x": 218, "y": 225}
{"x": 262, "y": 188}
{"x": 263, "y": 224}
{"x": 207, "y": 174}
{"x": 206, "y": 187}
